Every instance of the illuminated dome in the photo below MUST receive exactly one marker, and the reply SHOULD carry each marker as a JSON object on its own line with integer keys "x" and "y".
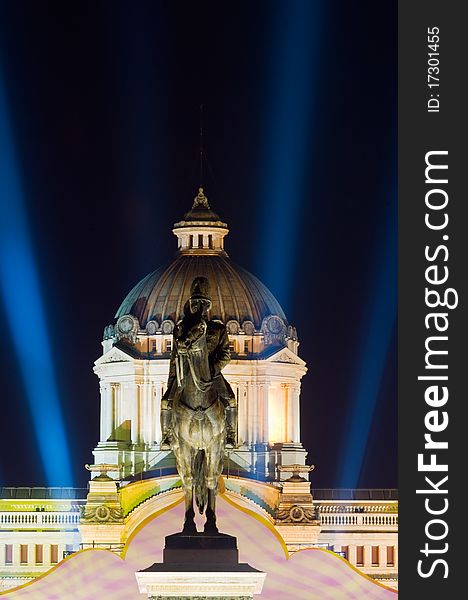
{"x": 236, "y": 294}
{"x": 264, "y": 370}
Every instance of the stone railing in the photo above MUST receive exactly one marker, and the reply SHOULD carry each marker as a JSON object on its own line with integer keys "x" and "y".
{"x": 357, "y": 507}
{"x": 117, "y": 548}
{"x": 359, "y": 520}
{"x": 39, "y": 520}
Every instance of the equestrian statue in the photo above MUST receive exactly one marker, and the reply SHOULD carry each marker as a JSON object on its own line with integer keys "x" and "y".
{"x": 198, "y": 410}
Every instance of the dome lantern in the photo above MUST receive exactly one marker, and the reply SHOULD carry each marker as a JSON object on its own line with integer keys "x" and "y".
{"x": 201, "y": 231}
{"x": 237, "y": 295}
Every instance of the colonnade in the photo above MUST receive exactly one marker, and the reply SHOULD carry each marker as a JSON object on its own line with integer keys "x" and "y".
{"x": 268, "y": 410}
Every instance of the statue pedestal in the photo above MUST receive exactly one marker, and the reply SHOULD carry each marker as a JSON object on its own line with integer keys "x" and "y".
{"x": 198, "y": 567}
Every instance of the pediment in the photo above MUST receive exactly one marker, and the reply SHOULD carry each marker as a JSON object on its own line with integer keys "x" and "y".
{"x": 114, "y": 355}
{"x": 284, "y": 355}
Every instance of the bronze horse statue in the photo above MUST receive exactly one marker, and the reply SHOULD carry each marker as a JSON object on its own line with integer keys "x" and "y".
{"x": 198, "y": 410}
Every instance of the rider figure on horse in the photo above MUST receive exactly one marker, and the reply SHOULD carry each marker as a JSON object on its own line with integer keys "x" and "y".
{"x": 194, "y": 323}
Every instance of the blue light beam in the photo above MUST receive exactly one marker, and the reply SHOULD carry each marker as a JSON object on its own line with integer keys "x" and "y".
{"x": 380, "y": 322}
{"x": 20, "y": 290}
{"x": 290, "y": 107}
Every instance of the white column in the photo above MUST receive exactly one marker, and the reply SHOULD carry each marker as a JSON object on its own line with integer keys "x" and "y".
{"x": 159, "y": 343}
{"x": 135, "y": 412}
{"x": 107, "y": 410}
{"x": 16, "y": 554}
{"x": 294, "y": 414}
{"x": 235, "y": 389}
{"x": 103, "y": 412}
{"x": 352, "y": 554}
{"x": 148, "y": 417}
{"x": 367, "y": 562}
{"x": 156, "y": 395}
{"x": 144, "y": 421}
{"x": 285, "y": 395}
{"x": 154, "y": 409}
{"x": 246, "y": 414}
{"x": 148, "y": 424}
{"x": 242, "y": 413}
{"x": 61, "y": 550}
{"x": 259, "y": 396}
{"x": 110, "y": 400}
{"x": 289, "y": 406}
{"x": 250, "y": 422}
{"x": 2, "y": 554}
{"x": 382, "y": 556}
{"x": 31, "y": 554}
{"x": 254, "y": 405}
{"x": 46, "y": 555}
{"x": 265, "y": 413}
{"x": 117, "y": 392}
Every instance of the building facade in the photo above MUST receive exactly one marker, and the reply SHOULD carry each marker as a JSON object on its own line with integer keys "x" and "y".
{"x": 133, "y": 477}
{"x": 265, "y": 371}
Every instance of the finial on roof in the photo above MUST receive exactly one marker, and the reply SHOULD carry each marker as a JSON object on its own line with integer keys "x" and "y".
{"x": 201, "y": 145}
{"x": 200, "y": 200}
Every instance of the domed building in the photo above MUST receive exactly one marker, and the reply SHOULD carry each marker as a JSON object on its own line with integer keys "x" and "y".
{"x": 265, "y": 371}
{"x": 133, "y": 480}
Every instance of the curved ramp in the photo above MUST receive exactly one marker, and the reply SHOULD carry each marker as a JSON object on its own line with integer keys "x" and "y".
{"x": 307, "y": 575}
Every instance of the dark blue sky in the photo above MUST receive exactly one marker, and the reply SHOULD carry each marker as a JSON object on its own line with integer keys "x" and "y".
{"x": 101, "y": 102}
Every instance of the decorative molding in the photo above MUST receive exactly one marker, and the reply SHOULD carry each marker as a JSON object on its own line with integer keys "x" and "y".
{"x": 114, "y": 355}
{"x": 152, "y": 327}
{"x": 127, "y": 327}
{"x": 248, "y": 327}
{"x": 284, "y": 355}
{"x": 297, "y": 515}
{"x": 167, "y": 326}
{"x": 232, "y": 327}
{"x": 101, "y": 514}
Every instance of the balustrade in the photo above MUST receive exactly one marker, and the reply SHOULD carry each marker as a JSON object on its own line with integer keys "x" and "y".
{"x": 359, "y": 519}
{"x": 38, "y": 520}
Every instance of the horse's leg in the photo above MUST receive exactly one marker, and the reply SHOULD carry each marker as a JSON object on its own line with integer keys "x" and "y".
{"x": 210, "y": 524}
{"x": 189, "y": 523}
{"x": 214, "y": 468}
{"x": 184, "y": 467}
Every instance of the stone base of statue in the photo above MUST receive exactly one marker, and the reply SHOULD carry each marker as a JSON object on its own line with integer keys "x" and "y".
{"x": 198, "y": 567}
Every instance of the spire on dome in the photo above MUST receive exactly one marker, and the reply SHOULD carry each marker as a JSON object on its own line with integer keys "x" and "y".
{"x": 201, "y": 148}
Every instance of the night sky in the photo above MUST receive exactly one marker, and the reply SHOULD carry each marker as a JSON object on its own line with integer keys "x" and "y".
{"x": 102, "y": 102}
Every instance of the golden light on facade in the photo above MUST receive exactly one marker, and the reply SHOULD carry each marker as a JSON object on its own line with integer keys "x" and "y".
{"x": 276, "y": 424}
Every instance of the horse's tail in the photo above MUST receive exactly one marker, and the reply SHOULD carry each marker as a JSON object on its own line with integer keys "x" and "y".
{"x": 199, "y": 472}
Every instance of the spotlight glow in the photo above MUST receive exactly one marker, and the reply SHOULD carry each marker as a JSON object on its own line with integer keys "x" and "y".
{"x": 20, "y": 291}
{"x": 380, "y": 322}
{"x": 287, "y": 133}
